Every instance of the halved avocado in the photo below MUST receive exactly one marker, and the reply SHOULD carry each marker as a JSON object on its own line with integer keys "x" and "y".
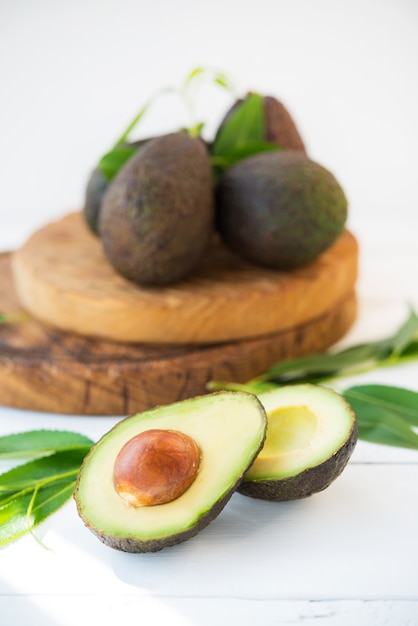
{"x": 229, "y": 429}
{"x": 311, "y": 434}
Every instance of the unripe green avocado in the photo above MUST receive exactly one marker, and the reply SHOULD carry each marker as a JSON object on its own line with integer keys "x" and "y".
{"x": 280, "y": 209}
{"x": 157, "y": 216}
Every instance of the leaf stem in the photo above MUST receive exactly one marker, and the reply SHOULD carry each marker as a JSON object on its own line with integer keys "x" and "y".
{"x": 21, "y": 489}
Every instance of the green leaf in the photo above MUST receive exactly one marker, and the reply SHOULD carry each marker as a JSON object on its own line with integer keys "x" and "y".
{"x": 325, "y": 365}
{"x": 395, "y": 400}
{"x": 201, "y": 73}
{"x": 409, "y": 352}
{"x": 223, "y": 80}
{"x": 138, "y": 117}
{"x": 42, "y": 470}
{"x": 406, "y": 333}
{"x": 37, "y": 443}
{"x": 385, "y": 414}
{"x": 34, "y": 490}
{"x": 195, "y": 131}
{"x": 124, "y": 137}
{"x": 21, "y": 514}
{"x": 241, "y": 152}
{"x": 246, "y": 124}
{"x": 113, "y": 161}
{"x": 197, "y": 71}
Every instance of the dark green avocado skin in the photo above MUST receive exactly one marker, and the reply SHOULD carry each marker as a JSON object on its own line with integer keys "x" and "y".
{"x": 308, "y": 482}
{"x": 279, "y": 209}
{"x": 157, "y": 217}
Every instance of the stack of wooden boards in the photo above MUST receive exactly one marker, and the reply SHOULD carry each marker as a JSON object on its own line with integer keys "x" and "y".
{"x": 96, "y": 344}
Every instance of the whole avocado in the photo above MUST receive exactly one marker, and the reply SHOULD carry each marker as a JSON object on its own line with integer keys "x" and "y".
{"x": 280, "y": 209}
{"x": 157, "y": 216}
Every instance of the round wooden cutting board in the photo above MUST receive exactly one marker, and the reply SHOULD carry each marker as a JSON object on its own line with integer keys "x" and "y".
{"x": 46, "y": 368}
{"x": 63, "y": 278}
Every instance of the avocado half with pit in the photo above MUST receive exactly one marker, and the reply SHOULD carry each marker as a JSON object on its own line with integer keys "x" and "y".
{"x": 311, "y": 434}
{"x": 159, "y": 477}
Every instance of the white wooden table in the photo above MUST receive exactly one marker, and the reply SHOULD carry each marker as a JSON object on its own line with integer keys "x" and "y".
{"x": 346, "y": 556}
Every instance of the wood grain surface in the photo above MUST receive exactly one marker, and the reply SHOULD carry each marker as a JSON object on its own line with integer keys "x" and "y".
{"x": 45, "y": 369}
{"x": 63, "y": 278}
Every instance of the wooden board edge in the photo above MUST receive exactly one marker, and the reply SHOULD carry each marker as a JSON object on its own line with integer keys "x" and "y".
{"x": 126, "y": 388}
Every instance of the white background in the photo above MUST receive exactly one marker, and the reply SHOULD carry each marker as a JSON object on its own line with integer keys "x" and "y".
{"x": 73, "y": 74}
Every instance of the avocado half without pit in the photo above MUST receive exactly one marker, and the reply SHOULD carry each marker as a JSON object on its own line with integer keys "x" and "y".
{"x": 159, "y": 477}
{"x": 311, "y": 434}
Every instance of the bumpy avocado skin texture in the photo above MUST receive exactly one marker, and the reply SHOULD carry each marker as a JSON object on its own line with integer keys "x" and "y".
{"x": 157, "y": 216}
{"x": 280, "y": 209}
{"x": 308, "y": 482}
{"x": 162, "y": 417}
{"x": 280, "y": 126}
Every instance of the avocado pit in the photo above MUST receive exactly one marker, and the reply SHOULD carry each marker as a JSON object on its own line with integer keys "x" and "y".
{"x": 155, "y": 467}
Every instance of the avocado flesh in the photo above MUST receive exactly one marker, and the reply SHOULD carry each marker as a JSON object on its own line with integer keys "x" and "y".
{"x": 229, "y": 427}
{"x": 311, "y": 435}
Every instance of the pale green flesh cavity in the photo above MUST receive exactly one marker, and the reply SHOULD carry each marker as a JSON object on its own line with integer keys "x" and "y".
{"x": 229, "y": 429}
{"x": 306, "y": 425}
